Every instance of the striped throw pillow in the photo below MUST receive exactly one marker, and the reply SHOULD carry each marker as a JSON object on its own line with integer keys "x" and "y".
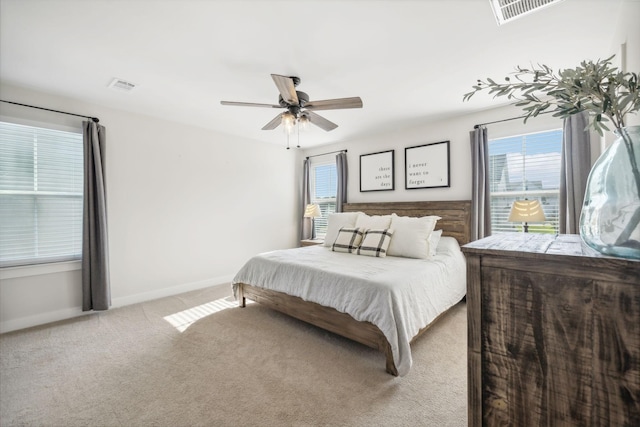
{"x": 348, "y": 240}
{"x": 375, "y": 242}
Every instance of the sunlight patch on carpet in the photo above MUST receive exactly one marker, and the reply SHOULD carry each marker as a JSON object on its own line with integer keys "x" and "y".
{"x": 183, "y": 319}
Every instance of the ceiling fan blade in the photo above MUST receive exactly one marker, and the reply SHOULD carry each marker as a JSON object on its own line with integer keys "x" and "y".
{"x": 287, "y": 88}
{"x": 249, "y": 104}
{"x": 320, "y": 121}
{"x": 334, "y": 104}
{"x": 273, "y": 123}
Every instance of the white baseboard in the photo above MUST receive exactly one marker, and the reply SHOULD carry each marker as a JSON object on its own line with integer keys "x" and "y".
{"x": 69, "y": 313}
{"x": 173, "y": 290}
{"x": 41, "y": 319}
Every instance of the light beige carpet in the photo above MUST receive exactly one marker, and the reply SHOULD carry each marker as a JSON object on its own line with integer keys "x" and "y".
{"x": 233, "y": 367}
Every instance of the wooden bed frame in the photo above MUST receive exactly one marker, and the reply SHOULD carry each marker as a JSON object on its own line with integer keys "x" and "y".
{"x": 455, "y": 222}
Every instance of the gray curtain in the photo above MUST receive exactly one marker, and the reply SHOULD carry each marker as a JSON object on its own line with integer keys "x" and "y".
{"x": 96, "y": 292}
{"x": 342, "y": 172}
{"x": 306, "y": 231}
{"x": 480, "y": 197}
{"x": 574, "y": 171}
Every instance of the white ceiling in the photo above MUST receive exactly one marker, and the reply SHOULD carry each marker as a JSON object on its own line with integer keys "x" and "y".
{"x": 409, "y": 61}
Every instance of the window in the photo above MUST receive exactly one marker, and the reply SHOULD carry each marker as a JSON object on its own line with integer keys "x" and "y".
{"x": 324, "y": 186}
{"x": 41, "y": 184}
{"x": 525, "y": 167}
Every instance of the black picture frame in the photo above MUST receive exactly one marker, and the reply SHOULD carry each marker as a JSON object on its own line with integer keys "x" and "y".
{"x": 427, "y": 166}
{"x": 376, "y": 171}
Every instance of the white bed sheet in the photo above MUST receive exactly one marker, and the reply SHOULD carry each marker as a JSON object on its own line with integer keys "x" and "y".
{"x": 398, "y": 295}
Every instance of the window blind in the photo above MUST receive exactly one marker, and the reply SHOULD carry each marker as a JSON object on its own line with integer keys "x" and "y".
{"x": 324, "y": 188}
{"x": 525, "y": 167}
{"x": 41, "y": 185}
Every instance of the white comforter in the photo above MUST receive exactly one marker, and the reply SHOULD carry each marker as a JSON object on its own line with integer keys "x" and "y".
{"x": 398, "y": 295}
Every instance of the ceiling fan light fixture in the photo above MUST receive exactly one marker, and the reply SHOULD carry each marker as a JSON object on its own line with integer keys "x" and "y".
{"x": 288, "y": 122}
{"x": 303, "y": 122}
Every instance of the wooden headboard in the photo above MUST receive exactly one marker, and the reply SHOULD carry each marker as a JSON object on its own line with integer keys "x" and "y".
{"x": 456, "y": 215}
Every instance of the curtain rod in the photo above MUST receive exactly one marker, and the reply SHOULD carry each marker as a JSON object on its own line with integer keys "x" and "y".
{"x": 95, "y": 119}
{"x": 324, "y": 154}
{"x": 506, "y": 120}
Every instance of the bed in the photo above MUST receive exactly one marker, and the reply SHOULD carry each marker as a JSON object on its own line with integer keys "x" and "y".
{"x": 313, "y": 275}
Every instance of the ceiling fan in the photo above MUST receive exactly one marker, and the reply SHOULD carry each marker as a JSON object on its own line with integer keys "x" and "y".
{"x": 299, "y": 109}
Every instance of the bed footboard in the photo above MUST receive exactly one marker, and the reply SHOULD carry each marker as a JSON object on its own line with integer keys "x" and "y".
{"x": 323, "y": 317}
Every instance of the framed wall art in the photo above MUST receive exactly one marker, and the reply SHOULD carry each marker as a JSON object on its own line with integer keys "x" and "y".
{"x": 376, "y": 171}
{"x": 427, "y": 166}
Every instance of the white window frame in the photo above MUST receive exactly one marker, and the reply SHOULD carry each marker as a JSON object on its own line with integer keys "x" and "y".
{"x": 545, "y": 196}
{"x": 327, "y": 205}
{"x": 42, "y": 266}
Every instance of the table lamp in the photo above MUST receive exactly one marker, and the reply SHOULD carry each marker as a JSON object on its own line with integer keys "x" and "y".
{"x": 526, "y": 211}
{"x": 312, "y": 211}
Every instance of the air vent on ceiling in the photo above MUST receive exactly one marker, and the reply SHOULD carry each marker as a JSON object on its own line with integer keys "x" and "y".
{"x": 122, "y": 85}
{"x": 508, "y": 10}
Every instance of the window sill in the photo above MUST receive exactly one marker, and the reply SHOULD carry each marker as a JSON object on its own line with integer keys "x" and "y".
{"x": 36, "y": 270}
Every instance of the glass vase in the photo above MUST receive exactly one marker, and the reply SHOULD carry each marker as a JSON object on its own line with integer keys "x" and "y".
{"x": 610, "y": 219}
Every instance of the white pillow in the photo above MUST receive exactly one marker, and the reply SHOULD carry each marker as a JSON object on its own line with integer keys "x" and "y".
{"x": 348, "y": 240}
{"x": 337, "y": 220}
{"x": 448, "y": 245}
{"x": 380, "y": 222}
{"x": 434, "y": 239}
{"x": 411, "y": 236}
{"x": 375, "y": 243}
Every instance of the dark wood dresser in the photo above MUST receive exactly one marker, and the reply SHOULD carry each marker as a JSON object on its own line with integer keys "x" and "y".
{"x": 553, "y": 333}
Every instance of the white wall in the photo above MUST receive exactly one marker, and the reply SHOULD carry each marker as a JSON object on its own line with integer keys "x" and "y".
{"x": 455, "y": 130}
{"x": 186, "y": 208}
{"x": 626, "y": 43}
{"x": 625, "y": 30}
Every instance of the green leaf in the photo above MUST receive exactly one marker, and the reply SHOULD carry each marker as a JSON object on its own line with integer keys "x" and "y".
{"x": 598, "y": 88}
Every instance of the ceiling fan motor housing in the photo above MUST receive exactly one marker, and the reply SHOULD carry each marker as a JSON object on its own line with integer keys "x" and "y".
{"x": 294, "y": 109}
{"x": 303, "y": 98}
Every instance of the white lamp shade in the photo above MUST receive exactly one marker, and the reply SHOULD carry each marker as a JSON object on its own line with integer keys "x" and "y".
{"x": 526, "y": 211}
{"x": 312, "y": 211}
{"x": 303, "y": 122}
{"x": 288, "y": 121}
